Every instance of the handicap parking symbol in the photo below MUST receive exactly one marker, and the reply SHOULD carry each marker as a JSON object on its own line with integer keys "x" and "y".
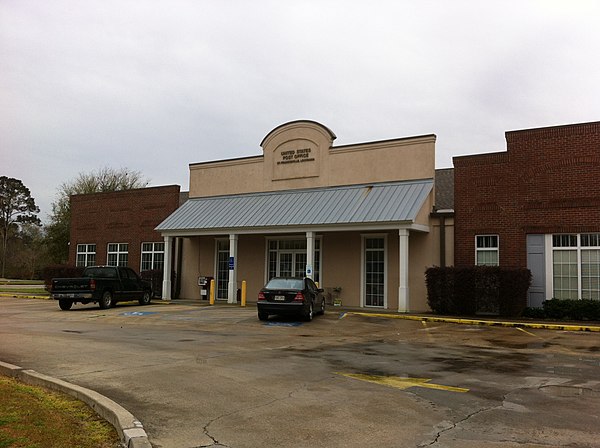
{"x": 137, "y": 313}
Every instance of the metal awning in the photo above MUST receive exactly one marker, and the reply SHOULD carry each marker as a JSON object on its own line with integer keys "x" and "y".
{"x": 378, "y": 203}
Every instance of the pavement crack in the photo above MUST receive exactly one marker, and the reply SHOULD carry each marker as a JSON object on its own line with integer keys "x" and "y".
{"x": 452, "y": 425}
{"x": 216, "y": 443}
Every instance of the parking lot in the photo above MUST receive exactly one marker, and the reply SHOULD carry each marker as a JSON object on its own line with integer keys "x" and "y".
{"x": 216, "y": 376}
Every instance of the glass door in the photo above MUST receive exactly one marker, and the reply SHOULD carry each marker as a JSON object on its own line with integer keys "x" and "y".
{"x": 286, "y": 262}
{"x": 222, "y": 279}
{"x": 300, "y": 264}
{"x": 374, "y": 269}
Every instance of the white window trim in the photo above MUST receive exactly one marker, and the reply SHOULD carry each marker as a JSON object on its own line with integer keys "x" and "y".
{"x": 153, "y": 252}
{"x": 363, "y": 285}
{"x": 118, "y": 252}
{"x": 487, "y": 249}
{"x": 549, "y": 243}
{"x": 216, "y": 267}
{"x": 268, "y": 239}
{"x": 86, "y": 253}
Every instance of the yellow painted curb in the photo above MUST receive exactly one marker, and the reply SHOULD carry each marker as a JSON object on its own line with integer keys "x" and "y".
{"x": 22, "y": 296}
{"x": 491, "y": 323}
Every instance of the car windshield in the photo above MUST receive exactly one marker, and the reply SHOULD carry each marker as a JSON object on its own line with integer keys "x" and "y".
{"x": 100, "y": 273}
{"x": 285, "y": 283}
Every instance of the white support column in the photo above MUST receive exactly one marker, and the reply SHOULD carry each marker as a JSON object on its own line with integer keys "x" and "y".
{"x": 310, "y": 254}
{"x": 166, "y": 286}
{"x": 233, "y": 264}
{"x": 403, "y": 298}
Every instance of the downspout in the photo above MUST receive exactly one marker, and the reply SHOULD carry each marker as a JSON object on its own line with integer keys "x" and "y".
{"x": 442, "y": 241}
{"x": 178, "y": 267}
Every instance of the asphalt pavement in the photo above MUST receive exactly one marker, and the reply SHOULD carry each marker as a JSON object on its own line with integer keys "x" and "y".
{"x": 216, "y": 376}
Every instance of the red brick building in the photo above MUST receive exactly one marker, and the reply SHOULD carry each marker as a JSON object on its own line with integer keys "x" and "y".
{"x": 117, "y": 228}
{"x": 537, "y": 205}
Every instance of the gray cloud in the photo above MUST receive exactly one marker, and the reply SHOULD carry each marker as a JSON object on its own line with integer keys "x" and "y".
{"x": 156, "y": 85}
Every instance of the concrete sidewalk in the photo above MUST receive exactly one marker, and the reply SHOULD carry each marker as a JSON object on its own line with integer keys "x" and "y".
{"x": 498, "y": 322}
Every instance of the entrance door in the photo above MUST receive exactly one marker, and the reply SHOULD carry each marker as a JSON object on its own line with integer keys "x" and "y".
{"x": 300, "y": 264}
{"x": 222, "y": 279}
{"x": 287, "y": 258}
{"x": 286, "y": 264}
{"x": 374, "y": 272}
{"x": 292, "y": 264}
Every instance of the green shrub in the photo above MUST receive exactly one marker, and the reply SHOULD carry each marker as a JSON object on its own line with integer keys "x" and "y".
{"x": 477, "y": 290}
{"x": 572, "y": 309}
{"x": 60, "y": 271}
{"x": 155, "y": 277}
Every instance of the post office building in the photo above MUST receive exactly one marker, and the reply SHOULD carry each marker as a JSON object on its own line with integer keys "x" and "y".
{"x": 356, "y": 218}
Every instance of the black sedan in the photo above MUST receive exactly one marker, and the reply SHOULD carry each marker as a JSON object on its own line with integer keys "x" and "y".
{"x": 288, "y": 295}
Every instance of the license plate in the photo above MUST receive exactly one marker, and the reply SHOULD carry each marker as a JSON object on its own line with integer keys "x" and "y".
{"x": 279, "y": 298}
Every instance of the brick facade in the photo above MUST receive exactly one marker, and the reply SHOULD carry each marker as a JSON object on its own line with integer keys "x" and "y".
{"x": 120, "y": 217}
{"x": 548, "y": 181}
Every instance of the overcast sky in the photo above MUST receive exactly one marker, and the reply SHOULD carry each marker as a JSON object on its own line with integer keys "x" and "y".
{"x": 156, "y": 85}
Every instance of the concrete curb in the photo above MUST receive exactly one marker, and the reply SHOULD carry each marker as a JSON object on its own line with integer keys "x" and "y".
{"x": 492, "y": 323}
{"x": 14, "y": 295}
{"x": 130, "y": 430}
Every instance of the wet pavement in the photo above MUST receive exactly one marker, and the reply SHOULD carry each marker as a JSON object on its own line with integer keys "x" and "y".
{"x": 200, "y": 376}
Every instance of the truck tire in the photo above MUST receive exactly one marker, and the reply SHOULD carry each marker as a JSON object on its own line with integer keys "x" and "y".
{"x": 145, "y": 299}
{"x": 106, "y": 301}
{"x": 65, "y": 304}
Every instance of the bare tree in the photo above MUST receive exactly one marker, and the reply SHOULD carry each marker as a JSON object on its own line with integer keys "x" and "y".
{"x": 102, "y": 180}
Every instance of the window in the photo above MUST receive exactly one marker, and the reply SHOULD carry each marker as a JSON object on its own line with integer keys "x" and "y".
{"x": 118, "y": 254}
{"x": 86, "y": 255}
{"x": 374, "y": 271}
{"x": 222, "y": 279}
{"x": 287, "y": 258}
{"x": 486, "y": 250}
{"x": 576, "y": 266}
{"x": 153, "y": 256}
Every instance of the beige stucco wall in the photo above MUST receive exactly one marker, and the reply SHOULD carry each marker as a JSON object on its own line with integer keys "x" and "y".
{"x": 251, "y": 264}
{"x": 301, "y": 155}
{"x": 189, "y": 268}
{"x": 341, "y": 265}
{"x": 324, "y": 165}
{"x": 435, "y": 230}
{"x": 420, "y": 258}
{"x": 391, "y": 160}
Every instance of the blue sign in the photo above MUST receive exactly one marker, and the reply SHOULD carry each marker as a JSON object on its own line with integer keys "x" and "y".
{"x": 231, "y": 263}
{"x": 309, "y": 270}
{"x": 283, "y": 324}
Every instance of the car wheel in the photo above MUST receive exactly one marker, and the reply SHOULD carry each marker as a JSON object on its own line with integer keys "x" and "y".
{"x": 263, "y": 316}
{"x": 322, "y": 310}
{"x": 308, "y": 316}
{"x": 107, "y": 300}
{"x": 145, "y": 299}
{"x": 65, "y": 304}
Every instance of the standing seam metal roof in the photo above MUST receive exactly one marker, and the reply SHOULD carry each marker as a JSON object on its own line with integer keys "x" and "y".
{"x": 354, "y": 204}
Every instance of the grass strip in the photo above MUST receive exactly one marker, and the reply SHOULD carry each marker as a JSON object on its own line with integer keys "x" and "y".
{"x": 33, "y": 417}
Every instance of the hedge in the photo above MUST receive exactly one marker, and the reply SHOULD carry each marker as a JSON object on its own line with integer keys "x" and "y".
{"x": 155, "y": 277}
{"x": 566, "y": 309}
{"x": 477, "y": 290}
{"x": 60, "y": 271}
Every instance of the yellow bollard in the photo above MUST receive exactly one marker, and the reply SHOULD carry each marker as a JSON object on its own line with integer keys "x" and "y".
{"x": 243, "y": 292}
{"x": 212, "y": 292}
